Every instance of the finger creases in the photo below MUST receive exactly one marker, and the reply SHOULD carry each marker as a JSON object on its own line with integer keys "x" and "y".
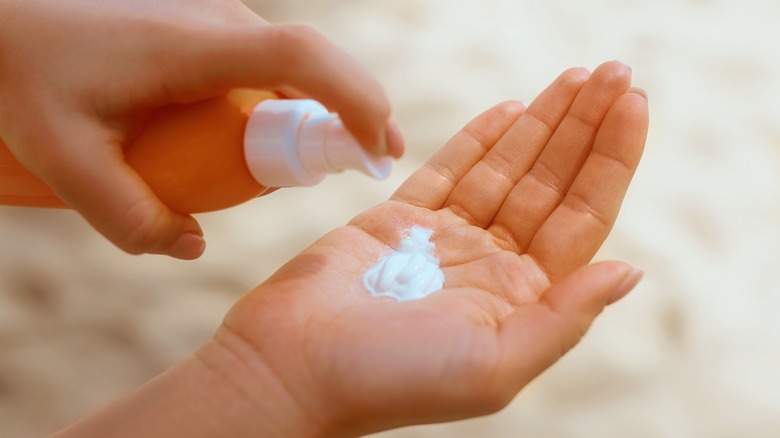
{"x": 545, "y": 185}
{"x": 479, "y": 194}
{"x": 432, "y": 184}
{"x": 576, "y": 228}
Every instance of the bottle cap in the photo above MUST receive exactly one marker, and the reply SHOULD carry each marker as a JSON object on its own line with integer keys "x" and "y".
{"x": 298, "y": 142}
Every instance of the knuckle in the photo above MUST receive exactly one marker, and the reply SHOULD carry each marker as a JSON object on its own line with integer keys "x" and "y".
{"x": 294, "y": 42}
{"x": 145, "y": 228}
{"x": 546, "y": 176}
{"x": 581, "y": 205}
{"x": 501, "y": 165}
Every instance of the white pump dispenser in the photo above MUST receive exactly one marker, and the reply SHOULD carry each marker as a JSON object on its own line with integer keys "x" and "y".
{"x": 298, "y": 142}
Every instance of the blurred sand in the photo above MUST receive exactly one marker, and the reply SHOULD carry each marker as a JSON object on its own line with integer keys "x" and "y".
{"x": 693, "y": 352}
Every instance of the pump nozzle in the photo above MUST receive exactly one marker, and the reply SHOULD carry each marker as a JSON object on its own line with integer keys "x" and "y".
{"x": 325, "y": 145}
{"x": 298, "y": 142}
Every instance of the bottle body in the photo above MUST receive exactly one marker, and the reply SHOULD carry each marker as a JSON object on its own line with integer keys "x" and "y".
{"x": 221, "y": 152}
{"x": 190, "y": 155}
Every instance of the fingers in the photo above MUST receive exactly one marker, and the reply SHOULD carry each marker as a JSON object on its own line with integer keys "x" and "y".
{"x": 575, "y": 230}
{"x": 295, "y": 60}
{"x": 541, "y": 190}
{"x": 536, "y": 335}
{"x": 110, "y": 196}
{"x": 481, "y": 192}
{"x": 432, "y": 184}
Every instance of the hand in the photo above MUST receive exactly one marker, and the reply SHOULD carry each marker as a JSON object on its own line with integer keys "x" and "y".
{"x": 78, "y": 77}
{"x": 519, "y": 201}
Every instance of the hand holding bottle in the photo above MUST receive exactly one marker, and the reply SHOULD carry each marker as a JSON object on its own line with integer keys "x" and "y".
{"x": 79, "y": 79}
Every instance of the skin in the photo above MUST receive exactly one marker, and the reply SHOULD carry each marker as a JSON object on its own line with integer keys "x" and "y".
{"x": 519, "y": 202}
{"x": 71, "y": 99}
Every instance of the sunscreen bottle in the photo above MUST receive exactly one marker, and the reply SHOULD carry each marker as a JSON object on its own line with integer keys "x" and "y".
{"x": 221, "y": 152}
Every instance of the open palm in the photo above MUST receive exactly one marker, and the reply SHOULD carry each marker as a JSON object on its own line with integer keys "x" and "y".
{"x": 519, "y": 202}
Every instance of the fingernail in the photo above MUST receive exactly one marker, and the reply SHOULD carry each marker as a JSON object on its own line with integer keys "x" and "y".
{"x": 629, "y": 282}
{"x": 190, "y": 245}
{"x": 393, "y": 139}
{"x": 626, "y": 65}
{"x": 639, "y": 91}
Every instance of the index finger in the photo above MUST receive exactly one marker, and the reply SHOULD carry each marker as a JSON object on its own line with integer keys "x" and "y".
{"x": 294, "y": 59}
{"x": 432, "y": 184}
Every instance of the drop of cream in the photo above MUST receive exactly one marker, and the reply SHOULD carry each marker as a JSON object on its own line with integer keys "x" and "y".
{"x": 410, "y": 272}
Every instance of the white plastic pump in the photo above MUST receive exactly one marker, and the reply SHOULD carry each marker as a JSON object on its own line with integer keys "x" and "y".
{"x": 298, "y": 142}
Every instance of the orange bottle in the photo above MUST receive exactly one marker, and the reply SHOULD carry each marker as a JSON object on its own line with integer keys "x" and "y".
{"x": 221, "y": 152}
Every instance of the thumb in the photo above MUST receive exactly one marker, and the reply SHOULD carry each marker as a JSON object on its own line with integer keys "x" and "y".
{"x": 537, "y": 335}
{"x": 84, "y": 166}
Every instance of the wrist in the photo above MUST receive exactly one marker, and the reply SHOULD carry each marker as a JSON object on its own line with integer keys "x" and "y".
{"x": 220, "y": 390}
{"x": 261, "y": 399}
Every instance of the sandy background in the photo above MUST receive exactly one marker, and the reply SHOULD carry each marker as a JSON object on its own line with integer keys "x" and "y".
{"x": 693, "y": 352}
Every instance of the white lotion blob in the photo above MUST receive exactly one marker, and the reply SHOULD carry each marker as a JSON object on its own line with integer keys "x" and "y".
{"x": 409, "y": 273}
